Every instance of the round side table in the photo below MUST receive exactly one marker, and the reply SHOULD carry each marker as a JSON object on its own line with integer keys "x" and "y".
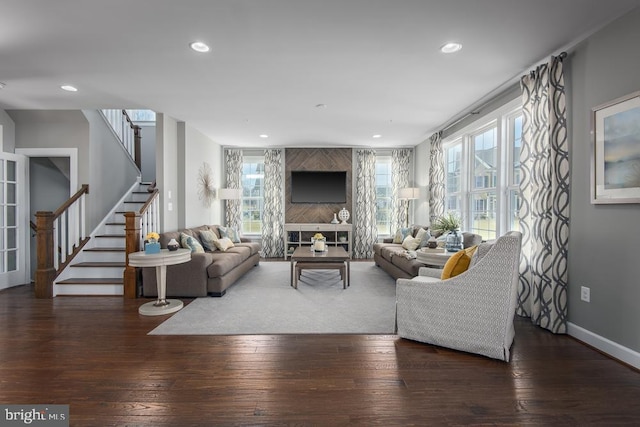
{"x": 160, "y": 261}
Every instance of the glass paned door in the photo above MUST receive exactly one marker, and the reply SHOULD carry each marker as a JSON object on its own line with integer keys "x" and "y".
{"x": 13, "y": 221}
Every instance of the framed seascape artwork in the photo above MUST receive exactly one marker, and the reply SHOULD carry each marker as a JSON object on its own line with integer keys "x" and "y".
{"x": 615, "y": 167}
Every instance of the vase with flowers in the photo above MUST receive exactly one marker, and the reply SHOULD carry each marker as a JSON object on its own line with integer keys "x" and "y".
{"x": 151, "y": 244}
{"x": 319, "y": 242}
{"x": 449, "y": 225}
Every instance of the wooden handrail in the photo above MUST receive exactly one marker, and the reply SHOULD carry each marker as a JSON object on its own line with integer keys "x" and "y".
{"x": 84, "y": 189}
{"x": 150, "y": 200}
{"x": 49, "y": 231}
{"x": 137, "y": 140}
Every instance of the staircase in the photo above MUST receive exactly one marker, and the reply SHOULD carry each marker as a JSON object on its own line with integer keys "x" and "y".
{"x": 99, "y": 268}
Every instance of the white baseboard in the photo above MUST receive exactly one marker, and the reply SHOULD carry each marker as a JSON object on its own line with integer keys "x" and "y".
{"x": 605, "y": 345}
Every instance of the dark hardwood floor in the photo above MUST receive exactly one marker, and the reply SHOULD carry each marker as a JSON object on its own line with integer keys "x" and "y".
{"x": 94, "y": 354}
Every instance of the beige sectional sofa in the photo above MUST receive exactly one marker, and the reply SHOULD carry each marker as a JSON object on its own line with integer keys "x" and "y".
{"x": 209, "y": 273}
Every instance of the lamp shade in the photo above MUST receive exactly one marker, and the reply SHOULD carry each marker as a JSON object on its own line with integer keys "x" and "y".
{"x": 230, "y": 193}
{"x": 409, "y": 193}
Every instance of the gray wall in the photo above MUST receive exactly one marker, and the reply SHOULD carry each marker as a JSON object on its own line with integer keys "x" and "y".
{"x": 112, "y": 170}
{"x": 7, "y": 133}
{"x": 168, "y": 169}
{"x": 603, "y": 249}
{"x": 48, "y": 189}
{"x": 148, "y": 149}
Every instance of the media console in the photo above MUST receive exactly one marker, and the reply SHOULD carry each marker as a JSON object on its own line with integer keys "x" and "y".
{"x": 300, "y": 234}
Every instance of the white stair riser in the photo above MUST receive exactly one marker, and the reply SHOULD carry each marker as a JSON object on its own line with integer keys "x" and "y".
{"x": 110, "y": 242}
{"x": 114, "y": 229}
{"x": 90, "y": 256}
{"x": 97, "y": 272}
{"x": 89, "y": 290}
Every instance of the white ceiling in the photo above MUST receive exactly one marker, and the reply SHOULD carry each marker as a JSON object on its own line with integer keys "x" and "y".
{"x": 375, "y": 64}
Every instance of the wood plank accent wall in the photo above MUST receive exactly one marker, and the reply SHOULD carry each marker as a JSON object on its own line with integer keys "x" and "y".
{"x": 315, "y": 159}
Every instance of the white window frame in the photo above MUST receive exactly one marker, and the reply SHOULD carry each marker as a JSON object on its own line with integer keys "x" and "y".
{"x": 251, "y": 159}
{"x": 502, "y": 119}
{"x": 387, "y": 159}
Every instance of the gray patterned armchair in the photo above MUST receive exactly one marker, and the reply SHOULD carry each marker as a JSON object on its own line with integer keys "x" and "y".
{"x": 471, "y": 312}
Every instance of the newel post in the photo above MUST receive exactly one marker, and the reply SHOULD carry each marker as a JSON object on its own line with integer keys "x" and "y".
{"x": 45, "y": 270}
{"x": 132, "y": 244}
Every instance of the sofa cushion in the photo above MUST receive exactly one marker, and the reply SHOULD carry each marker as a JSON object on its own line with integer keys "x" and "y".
{"x": 401, "y": 233}
{"x": 389, "y": 250}
{"x": 191, "y": 242}
{"x": 230, "y": 232}
{"x": 224, "y": 262}
{"x": 208, "y": 239}
{"x": 458, "y": 263}
{"x": 223, "y": 243}
{"x": 253, "y": 247}
{"x": 410, "y": 266}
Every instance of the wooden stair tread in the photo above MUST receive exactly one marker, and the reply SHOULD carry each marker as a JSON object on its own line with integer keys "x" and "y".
{"x": 92, "y": 281}
{"x": 99, "y": 264}
{"x": 115, "y": 223}
{"x": 105, "y": 249}
{"x": 111, "y": 235}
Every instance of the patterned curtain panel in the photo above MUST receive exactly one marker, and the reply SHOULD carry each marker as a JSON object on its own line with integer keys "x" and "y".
{"x": 400, "y": 164}
{"x": 233, "y": 208}
{"x": 544, "y": 210}
{"x": 273, "y": 209}
{"x": 365, "y": 229}
{"x": 436, "y": 177}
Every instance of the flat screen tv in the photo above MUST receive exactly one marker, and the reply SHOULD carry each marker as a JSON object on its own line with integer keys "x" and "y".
{"x": 318, "y": 187}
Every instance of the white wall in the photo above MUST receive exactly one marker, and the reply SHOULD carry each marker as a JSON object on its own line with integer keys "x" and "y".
{"x": 196, "y": 150}
{"x": 167, "y": 170}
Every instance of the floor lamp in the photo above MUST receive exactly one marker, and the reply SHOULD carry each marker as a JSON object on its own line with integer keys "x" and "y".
{"x": 407, "y": 194}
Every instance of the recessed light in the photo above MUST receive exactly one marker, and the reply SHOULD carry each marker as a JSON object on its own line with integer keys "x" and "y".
{"x": 451, "y": 47}
{"x": 199, "y": 47}
{"x": 377, "y": 136}
{"x": 69, "y": 88}
{"x": 321, "y": 105}
{"x": 264, "y": 136}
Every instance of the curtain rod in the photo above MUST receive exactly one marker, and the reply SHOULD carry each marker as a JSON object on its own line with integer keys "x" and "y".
{"x": 562, "y": 55}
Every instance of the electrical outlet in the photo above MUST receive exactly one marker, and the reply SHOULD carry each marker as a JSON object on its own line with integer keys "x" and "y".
{"x": 585, "y": 294}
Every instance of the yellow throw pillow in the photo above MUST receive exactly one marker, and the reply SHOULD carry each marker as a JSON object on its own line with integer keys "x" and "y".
{"x": 458, "y": 263}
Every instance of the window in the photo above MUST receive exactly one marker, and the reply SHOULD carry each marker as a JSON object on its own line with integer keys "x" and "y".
{"x": 383, "y": 194}
{"x": 483, "y": 172}
{"x": 252, "y": 194}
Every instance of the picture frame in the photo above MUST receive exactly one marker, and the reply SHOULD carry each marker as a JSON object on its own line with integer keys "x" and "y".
{"x": 615, "y": 165}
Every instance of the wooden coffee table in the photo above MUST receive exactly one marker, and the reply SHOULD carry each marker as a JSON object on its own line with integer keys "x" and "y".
{"x": 334, "y": 258}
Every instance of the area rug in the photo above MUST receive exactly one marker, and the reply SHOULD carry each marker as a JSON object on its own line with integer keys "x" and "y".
{"x": 263, "y": 302}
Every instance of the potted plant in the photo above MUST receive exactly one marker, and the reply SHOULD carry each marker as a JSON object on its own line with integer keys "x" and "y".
{"x": 449, "y": 225}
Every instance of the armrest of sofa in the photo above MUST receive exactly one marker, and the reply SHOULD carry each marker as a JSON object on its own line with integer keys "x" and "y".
{"x": 387, "y": 240}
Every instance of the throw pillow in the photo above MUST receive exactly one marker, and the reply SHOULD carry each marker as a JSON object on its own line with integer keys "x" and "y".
{"x": 224, "y": 243}
{"x": 401, "y": 234}
{"x": 190, "y": 242}
{"x": 410, "y": 243}
{"x": 209, "y": 238}
{"x": 424, "y": 237}
{"x": 458, "y": 263}
{"x": 231, "y": 233}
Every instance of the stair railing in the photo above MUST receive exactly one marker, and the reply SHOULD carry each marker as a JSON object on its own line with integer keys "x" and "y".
{"x": 137, "y": 225}
{"x": 63, "y": 229}
{"x": 126, "y": 131}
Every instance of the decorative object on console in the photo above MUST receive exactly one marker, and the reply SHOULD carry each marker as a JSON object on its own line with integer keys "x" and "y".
{"x": 319, "y": 242}
{"x": 432, "y": 243}
{"x": 335, "y": 219}
{"x": 173, "y": 245}
{"x": 151, "y": 245}
{"x": 450, "y": 224}
{"x": 344, "y": 215}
